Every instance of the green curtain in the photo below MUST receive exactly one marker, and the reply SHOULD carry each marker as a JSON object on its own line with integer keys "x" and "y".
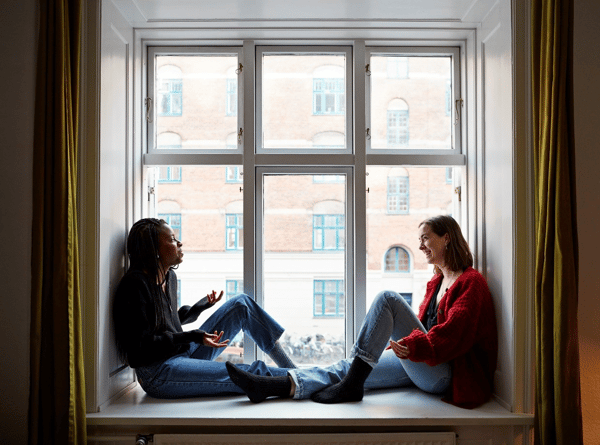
{"x": 57, "y": 388}
{"x": 558, "y": 398}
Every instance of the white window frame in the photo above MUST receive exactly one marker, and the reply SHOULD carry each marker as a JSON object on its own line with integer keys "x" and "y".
{"x": 351, "y": 161}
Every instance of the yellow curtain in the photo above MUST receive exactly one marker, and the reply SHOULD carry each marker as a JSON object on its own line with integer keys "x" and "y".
{"x": 558, "y": 400}
{"x": 57, "y": 399}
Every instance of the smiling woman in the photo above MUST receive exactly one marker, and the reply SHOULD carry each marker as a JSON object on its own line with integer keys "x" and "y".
{"x": 450, "y": 348}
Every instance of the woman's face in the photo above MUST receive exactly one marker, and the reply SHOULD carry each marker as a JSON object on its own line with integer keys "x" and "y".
{"x": 169, "y": 247}
{"x": 432, "y": 245}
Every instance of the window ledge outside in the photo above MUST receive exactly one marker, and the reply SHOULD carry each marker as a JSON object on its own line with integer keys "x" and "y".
{"x": 382, "y": 408}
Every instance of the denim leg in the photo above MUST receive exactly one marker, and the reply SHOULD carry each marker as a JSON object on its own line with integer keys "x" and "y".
{"x": 240, "y": 313}
{"x": 182, "y": 377}
{"x": 390, "y": 316}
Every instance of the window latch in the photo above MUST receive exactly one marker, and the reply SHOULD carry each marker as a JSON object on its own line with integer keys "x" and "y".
{"x": 148, "y": 104}
{"x": 240, "y": 136}
{"x": 368, "y": 69}
{"x": 458, "y": 104}
{"x": 458, "y": 191}
{"x": 144, "y": 439}
{"x": 151, "y": 191}
{"x": 239, "y": 70}
{"x": 368, "y": 134}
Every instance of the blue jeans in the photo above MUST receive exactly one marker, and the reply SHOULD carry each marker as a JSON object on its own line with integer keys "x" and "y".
{"x": 390, "y": 316}
{"x": 194, "y": 373}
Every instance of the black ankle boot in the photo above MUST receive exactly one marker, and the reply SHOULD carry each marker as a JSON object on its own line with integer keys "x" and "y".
{"x": 350, "y": 388}
{"x": 259, "y": 387}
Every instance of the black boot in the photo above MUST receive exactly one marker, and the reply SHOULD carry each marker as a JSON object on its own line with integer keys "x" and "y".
{"x": 350, "y": 388}
{"x": 259, "y": 387}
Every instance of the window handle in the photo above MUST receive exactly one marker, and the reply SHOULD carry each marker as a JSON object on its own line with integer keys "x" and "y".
{"x": 368, "y": 134}
{"x": 458, "y": 105}
{"x": 240, "y": 136}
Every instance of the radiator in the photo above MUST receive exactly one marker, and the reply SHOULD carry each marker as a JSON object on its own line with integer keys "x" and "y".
{"x": 308, "y": 439}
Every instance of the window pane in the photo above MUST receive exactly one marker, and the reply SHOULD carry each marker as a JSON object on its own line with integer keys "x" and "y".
{"x": 304, "y": 284}
{"x": 394, "y": 260}
{"x": 303, "y": 95}
{"x": 196, "y": 97}
{"x": 409, "y": 102}
{"x": 200, "y": 209}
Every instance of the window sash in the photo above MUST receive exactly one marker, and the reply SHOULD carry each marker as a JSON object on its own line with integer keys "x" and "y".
{"x": 356, "y": 156}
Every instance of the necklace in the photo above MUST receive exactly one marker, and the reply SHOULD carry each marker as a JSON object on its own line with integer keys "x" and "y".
{"x": 451, "y": 282}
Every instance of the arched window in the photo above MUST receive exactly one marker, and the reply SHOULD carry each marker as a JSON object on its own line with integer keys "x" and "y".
{"x": 168, "y": 89}
{"x": 397, "y": 123}
{"x": 329, "y": 95}
{"x": 397, "y": 191}
{"x": 397, "y": 260}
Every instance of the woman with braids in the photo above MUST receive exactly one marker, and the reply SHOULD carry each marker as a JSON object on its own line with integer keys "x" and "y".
{"x": 450, "y": 348}
{"x": 169, "y": 362}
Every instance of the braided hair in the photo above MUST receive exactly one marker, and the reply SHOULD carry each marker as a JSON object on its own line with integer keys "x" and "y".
{"x": 142, "y": 248}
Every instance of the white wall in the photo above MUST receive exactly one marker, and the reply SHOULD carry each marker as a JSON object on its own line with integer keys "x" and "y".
{"x": 17, "y": 77}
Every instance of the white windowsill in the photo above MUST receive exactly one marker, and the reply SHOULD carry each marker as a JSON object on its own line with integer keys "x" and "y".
{"x": 397, "y": 407}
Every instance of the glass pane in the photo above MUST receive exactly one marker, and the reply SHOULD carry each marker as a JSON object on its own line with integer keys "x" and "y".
{"x": 196, "y": 99}
{"x": 303, "y": 99}
{"x": 304, "y": 284}
{"x": 410, "y": 102}
{"x": 200, "y": 208}
{"x": 391, "y": 236}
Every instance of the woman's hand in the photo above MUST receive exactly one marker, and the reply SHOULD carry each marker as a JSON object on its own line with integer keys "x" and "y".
{"x": 214, "y": 340}
{"x": 399, "y": 349}
{"x": 212, "y": 297}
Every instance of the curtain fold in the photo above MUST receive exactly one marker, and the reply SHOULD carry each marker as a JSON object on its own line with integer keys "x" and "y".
{"x": 57, "y": 388}
{"x": 557, "y": 399}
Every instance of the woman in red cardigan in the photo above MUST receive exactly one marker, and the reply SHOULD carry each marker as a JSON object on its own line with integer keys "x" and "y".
{"x": 450, "y": 348}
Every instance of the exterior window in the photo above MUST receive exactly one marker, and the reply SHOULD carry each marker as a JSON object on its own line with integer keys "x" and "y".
{"x": 231, "y": 105}
{"x": 449, "y": 175}
{"x": 329, "y": 298}
{"x": 233, "y": 288}
{"x": 407, "y": 296}
{"x": 328, "y": 96}
{"x": 328, "y": 179}
{"x": 448, "y": 98}
{"x": 328, "y": 232}
{"x": 397, "y": 195}
{"x": 234, "y": 230}
{"x": 397, "y": 67}
{"x": 174, "y": 220}
{"x": 233, "y": 174}
{"x": 168, "y": 89}
{"x": 397, "y": 128}
{"x": 169, "y": 174}
{"x": 397, "y": 260}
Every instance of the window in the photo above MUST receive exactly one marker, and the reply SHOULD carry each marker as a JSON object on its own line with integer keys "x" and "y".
{"x": 397, "y": 67}
{"x": 232, "y": 93}
{"x": 233, "y": 174}
{"x": 293, "y": 224}
{"x": 174, "y": 220}
{"x": 397, "y": 260}
{"x": 234, "y": 230}
{"x": 328, "y": 92}
{"x": 233, "y": 288}
{"x": 328, "y": 232}
{"x": 397, "y": 194}
{"x": 397, "y": 123}
{"x": 169, "y": 87}
{"x": 328, "y": 298}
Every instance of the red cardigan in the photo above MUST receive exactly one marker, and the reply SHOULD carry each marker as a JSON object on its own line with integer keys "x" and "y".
{"x": 465, "y": 336}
